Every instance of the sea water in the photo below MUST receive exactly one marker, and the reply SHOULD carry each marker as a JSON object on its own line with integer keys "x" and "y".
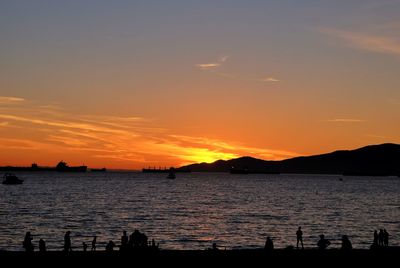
{"x": 196, "y": 209}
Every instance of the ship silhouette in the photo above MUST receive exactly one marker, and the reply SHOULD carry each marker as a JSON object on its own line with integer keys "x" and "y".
{"x": 63, "y": 167}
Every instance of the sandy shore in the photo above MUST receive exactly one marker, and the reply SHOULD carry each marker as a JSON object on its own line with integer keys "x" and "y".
{"x": 204, "y": 258}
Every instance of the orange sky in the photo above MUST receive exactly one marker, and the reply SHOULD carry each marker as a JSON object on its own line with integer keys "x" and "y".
{"x": 129, "y": 85}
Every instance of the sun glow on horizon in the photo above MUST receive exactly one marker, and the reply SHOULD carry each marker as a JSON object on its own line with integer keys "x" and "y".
{"x": 51, "y": 134}
{"x": 201, "y": 155}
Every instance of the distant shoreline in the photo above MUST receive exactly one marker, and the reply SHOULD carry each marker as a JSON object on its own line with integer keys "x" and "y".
{"x": 372, "y": 160}
{"x": 206, "y": 172}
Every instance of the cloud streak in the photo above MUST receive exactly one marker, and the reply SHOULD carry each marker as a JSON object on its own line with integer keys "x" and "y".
{"x": 364, "y": 41}
{"x": 345, "y": 120}
{"x": 207, "y": 66}
{"x": 270, "y": 79}
{"x": 10, "y": 100}
{"x": 129, "y": 141}
{"x": 213, "y": 65}
{"x": 215, "y": 68}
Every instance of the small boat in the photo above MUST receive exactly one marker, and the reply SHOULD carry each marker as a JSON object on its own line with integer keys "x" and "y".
{"x": 171, "y": 174}
{"x": 11, "y": 179}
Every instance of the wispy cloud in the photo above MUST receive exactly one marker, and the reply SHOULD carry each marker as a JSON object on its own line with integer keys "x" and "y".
{"x": 270, "y": 79}
{"x": 5, "y": 100}
{"x": 207, "y": 66}
{"x": 213, "y": 65}
{"x": 345, "y": 120}
{"x": 130, "y": 141}
{"x": 12, "y": 143}
{"x": 63, "y": 124}
{"x": 216, "y": 66}
{"x": 365, "y": 41}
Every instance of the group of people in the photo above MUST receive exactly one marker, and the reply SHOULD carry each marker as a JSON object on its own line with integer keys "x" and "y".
{"x": 380, "y": 240}
{"x": 136, "y": 240}
{"x": 322, "y": 243}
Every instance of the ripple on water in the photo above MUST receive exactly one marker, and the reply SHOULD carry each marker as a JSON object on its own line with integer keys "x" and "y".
{"x": 195, "y": 210}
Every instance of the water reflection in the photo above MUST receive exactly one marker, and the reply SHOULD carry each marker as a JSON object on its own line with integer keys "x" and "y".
{"x": 194, "y": 210}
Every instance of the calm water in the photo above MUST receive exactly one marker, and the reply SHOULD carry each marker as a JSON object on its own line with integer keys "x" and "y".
{"x": 194, "y": 210}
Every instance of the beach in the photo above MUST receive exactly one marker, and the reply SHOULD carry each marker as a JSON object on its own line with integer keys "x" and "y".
{"x": 204, "y": 258}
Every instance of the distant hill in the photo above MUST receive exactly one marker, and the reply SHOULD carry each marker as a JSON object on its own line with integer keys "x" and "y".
{"x": 380, "y": 160}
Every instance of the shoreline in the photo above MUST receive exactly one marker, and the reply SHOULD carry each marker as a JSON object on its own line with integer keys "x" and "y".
{"x": 205, "y": 257}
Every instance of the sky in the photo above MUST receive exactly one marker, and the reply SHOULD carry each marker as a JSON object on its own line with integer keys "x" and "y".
{"x": 133, "y": 84}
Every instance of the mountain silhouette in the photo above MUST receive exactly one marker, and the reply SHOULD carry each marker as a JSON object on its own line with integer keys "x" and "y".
{"x": 378, "y": 160}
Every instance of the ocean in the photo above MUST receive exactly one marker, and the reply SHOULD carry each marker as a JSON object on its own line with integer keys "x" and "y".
{"x": 196, "y": 209}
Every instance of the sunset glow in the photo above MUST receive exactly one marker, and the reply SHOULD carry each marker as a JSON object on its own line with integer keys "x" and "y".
{"x": 107, "y": 85}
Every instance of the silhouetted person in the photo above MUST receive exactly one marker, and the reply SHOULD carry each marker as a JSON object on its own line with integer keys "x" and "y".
{"x": 124, "y": 238}
{"x": 143, "y": 240}
{"x": 27, "y": 244}
{"x": 84, "y": 246}
{"x": 380, "y": 237}
{"x": 110, "y": 246}
{"x": 214, "y": 247}
{"x": 385, "y": 238}
{"x": 124, "y": 241}
{"x": 42, "y": 246}
{"x": 94, "y": 243}
{"x": 346, "y": 244}
{"x": 136, "y": 237}
{"x": 376, "y": 238}
{"x": 67, "y": 241}
{"x": 130, "y": 242}
{"x": 299, "y": 235}
{"x": 269, "y": 244}
{"x": 323, "y": 243}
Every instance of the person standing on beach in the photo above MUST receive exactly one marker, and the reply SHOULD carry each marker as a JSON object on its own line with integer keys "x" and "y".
{"x": 376, "y": 237}
{"x": 94, "y": 243}
{"x": 27, "y": 244}
{"x": 269, "y": 244}
{"x": 299, "y": 235}
{"x": 67, "y": 241}
{"x": 385, "y": 238}
{"x": 380, "y": 237}
{"x": 124, "y": 241}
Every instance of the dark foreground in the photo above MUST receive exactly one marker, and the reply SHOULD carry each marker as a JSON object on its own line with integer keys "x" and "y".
{"x": 206, "y": 258}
